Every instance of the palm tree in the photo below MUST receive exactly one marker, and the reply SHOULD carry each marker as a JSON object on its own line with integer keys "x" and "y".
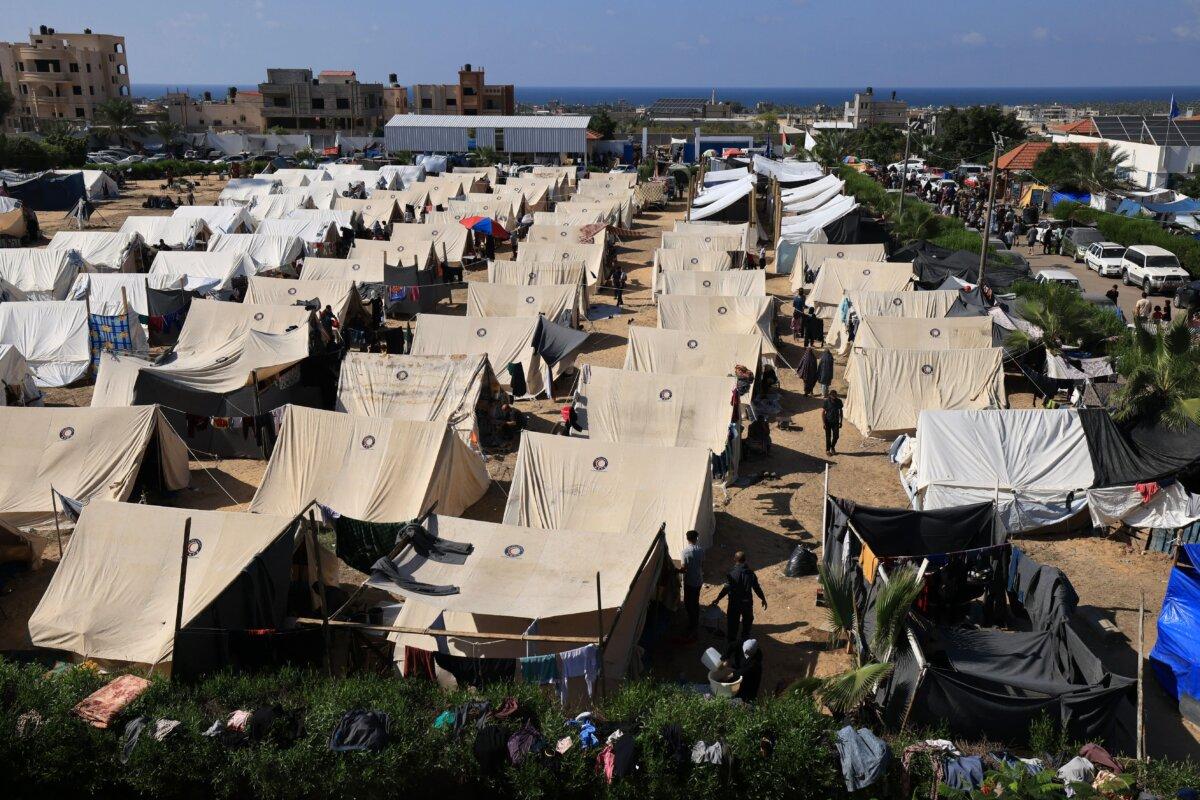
{"x": 831, "y": 147}
{"x": 1100, "y": 170}
{"x": 169, "y": 132}
{"x": 1162, "y": 376}
{"x": 916, "y": 221}
{"x": 118, "y": 118}
{"x": 849, "y": 691}
{"x": 1060, "y": 318}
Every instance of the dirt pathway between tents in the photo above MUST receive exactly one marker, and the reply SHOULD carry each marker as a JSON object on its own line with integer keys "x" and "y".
{"x": 766, "y": 519}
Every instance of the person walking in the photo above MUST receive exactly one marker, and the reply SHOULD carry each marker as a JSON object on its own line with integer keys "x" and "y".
{"x": 1142, "y": 309}
{"x": 812, "y": 328}
{"x": 741, "y": 584}
{"x": 806, "y": 370}
{"x": 1114, "y": 294}
{"x": 692, "y": 569}
{"x": 618, "y": 284}
{"x": 831, "y": 418}
{"x": 825, "y": 371}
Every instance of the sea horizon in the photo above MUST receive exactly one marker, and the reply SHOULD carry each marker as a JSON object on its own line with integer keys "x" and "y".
{"x": 792, "y": 96}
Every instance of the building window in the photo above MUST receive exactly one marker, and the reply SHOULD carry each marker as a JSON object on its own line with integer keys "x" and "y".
{"x": 318, "y": 104}
{"x": 76, "y": 90}
{"x": 20, "y": 66}
{"x": 92, "y": 90}
{"x": 217, "y": 123}
{"x": 122, "y": 69}
{"x": 124, "y": 91}
{"x": 498, "y": 136}
{"x": 24, "y": 89}
{"x": 451, "y": 101}
{"x": 89, "y": 67}
{"x": 280, "y": 102}
{"x": 343, "y": 103}
{"x": 489, "y": 104}
{"x": 469, "y": 112}
{"x": 79, "y": 112}
{"x": 74, "y": 67}
{"x": 468, "y": 91}
{"x": 118, "y": 48}
{"x": 426, "y": 103}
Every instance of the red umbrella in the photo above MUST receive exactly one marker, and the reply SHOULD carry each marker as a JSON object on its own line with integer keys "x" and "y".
{"x": 486, "y": 226}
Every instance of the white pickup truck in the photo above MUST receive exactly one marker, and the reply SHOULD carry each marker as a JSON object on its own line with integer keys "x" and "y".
{"x": 1152, "y": 268}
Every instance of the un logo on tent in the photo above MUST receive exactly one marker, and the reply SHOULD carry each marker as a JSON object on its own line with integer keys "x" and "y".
{"x": 402, "y": 375}
{"x": 692, "y": 344}
{"x": 222, "y": 359}
{"x": 514, "y": 551}
{"x": 66, "y": 433}
{"x": 665, "y": 394}
{"x": 194, "y": 546}
{"x": 292, "y": 290}
{"x": 935, "y": 332}
{"x": 481, "y": 332}
{"x": 529, "y": 300}
{"x": 356, "y": 266}
{"x": 866, "y": 272}
{"x": 927, "y": 369}
{"x": 258, "y": 317}
{"x": 368, "y": 442}
{"x": 707, "y": 284}
{"x": 566, "y": 256}
{"x": 708, "y": 238}
{"x": 399, "y": 248}
{"x": 896, "y": 301}
{"x": 562, "y": 233}
{"x": 722, "y": 310}
{"x": 695, "y": 261}
{"x": 434, "y": 231}
{"x": 600, "y": 463}
{"x": 841, "y": 254}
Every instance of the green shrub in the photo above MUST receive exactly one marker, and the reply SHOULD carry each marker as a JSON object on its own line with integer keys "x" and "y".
{"x": 1131, "y": 231}
{"x": 156, "y": 170}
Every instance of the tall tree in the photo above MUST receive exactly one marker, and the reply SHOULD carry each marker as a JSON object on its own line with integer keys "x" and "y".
{"x": 1060, "y": 317}
{"x": 1102, "y": 170}
{"x": 1162, "y": 376}
{"x": 832, "y": 146}
{"x": 603, "y": 124}
{"x": 169, "y": 132}
{"x": 880, "y": 143}
{"x": 965, "y": 134}
{"x": 117, "y": 118}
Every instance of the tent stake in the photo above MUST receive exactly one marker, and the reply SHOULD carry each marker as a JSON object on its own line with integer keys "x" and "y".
{"x": 183, "y": 563}
{"x": 57, "y": 529}
{"x": 314, "y": 563}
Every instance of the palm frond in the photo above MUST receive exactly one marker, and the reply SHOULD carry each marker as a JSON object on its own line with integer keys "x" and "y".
{"x": 838, "y": 586}
{"x": 847, "y": 691}
{"x": 892, "y": 604}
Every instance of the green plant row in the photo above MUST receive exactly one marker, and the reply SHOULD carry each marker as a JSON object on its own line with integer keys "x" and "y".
{"x": 918, "y": 221}
{"x": 1131, "y": 231}
{"x": 178, "y": 168}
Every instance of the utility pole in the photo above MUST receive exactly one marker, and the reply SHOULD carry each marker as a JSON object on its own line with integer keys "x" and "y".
{"x": 908, "y": 129}
{"x": 997, "y": 140}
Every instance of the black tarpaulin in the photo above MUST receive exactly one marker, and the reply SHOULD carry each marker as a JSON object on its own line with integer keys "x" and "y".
{"x": 933, "y": 264}
{"x": 556, "y": 342}
{"x": 857, "y": 227}
{"x": 1143, "y": 453}
{"x": 895, "y": 532}
{"x": 168, "y": 310}
{"x": 49, "y": 191}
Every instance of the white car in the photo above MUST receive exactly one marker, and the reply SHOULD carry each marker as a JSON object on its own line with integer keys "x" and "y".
{"x": 1060, "y": 276}
{"x": 1105, "y": 258}
{"x": 1152, "y": 268}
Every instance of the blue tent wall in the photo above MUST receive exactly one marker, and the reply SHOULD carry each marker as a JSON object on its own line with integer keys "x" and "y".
{"x": 1176, "y": 654}
{"x": 49, "y": 191}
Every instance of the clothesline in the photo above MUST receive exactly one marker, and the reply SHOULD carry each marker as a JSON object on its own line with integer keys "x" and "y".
{"x": 516, "y": 637}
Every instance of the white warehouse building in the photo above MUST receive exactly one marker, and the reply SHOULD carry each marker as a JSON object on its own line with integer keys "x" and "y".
{"x": 527, "y": 135}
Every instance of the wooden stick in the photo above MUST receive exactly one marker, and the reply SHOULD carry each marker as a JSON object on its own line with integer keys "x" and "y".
{"x": 600, "y": 636}
{"x": 314, "y": 563}
{"x": 57, "y": 530}
{"x": 1141, "y": 693}
{"x": 515, "y": 637}
{"x": 183, "y": 562}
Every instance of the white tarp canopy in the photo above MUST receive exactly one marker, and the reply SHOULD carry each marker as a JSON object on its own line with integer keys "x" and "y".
{"x": 101, "y": 251}
{"x": 743, "y": 230}
{"x": 787, "y": 171}
{"x": 889, "y": 387}
{"x": 219, "y": 219}
{"x": 98, "y": 183}
{"x": 504, "y": 340}
{"x": 202, "y": 271}
{"x": 1170, "y": 507}
{"x": 83, "y": 453}
{"x": 557, "y": 303}
{"x": 317, "y": 234}
{"x": 810, "y": 190}
{"x": 626, "y": 490}
{"x": 810, "y": 227}
{"x": 420, "y": 388}
{"x": 813, "y": 203}
{"x": 115, "y": 594}
{"x": 691, "y": 352}
{"x": 40, "y": 274}
{"x": 52, "y": 336}
{"x": 16, "y": 377}
{"x": 1029, "y": 460}
{"x": 278, "y": 206}
{"x": 376, "y": 469}
{"x": 719, "y": 314}
{"x": 268, "y": 253}
{"x": 590, "y": 255}
{"x": 716, "y": 200}
{"x": 180, "y": 233}
{"x": 716, "y": 176}
{"x": 920, "y": 333}
{"x": 836, "y": 278}
{"x": 244, "y": 191}
{"x": 341, "y": 296}
{"x": 735, "y": 283}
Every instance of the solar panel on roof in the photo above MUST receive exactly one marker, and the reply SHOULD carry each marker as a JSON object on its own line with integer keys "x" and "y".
{"x": 1152, "y": 130}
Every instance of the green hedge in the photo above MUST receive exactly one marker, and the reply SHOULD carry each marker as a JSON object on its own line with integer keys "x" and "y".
{"x": 949, "y": 232}
{"x": 154, "y": 170}
{"x": 1131, "y": 231}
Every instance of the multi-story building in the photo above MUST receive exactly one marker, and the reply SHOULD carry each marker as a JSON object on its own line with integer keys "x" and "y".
{"x": 294, "y": 100}
{"x": 471, "y": 96}
{"x": 689, "y": 108}
{"x": 395, "y": 98}
{"x": 865, "y": 110}
{"x": 237, "y": 111}
{"x": 62, "y": 75}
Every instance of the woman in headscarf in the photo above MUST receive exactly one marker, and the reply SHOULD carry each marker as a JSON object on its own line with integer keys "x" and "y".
{"x": 806, "y": 369}
{"x": 825, "y": 371}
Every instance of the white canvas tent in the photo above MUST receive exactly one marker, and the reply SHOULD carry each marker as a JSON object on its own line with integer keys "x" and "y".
{"x": 625, "y": 490}
{"x": 908, "y": 304}
{"x": 356, "y": 268}
{"x": 219, "y": 219}
{"x": 268, "y": 253}
{"x": 731, "y": 283}
{"x": 420, "y": 388}
{"x": 557, "y": 303}
{"x": 590, "y": 255}
{"x": 691, "y": 352}
{"x": 342, "y": 296}
{"x": 889, "y": 388}
{"x": 204, "y": 272}
{"x": 744, "y": 231}
{"x": 101, "y": 251}
{"x": 405, "y": 252}
{"x": 345, "y": 218}
{"x": 40, "y": 274}
{"x": 837, "y": 278}
{"x": 416, "y": 198}
{"x": 16, "y": 379}
{"x": 504, "y": 340}
{"x": 115, "y": 595}
{"x": 245, "y": 191}
{"x": 83, "y": 453}
{"x": 721, "y": 197}
{"x": 909, "y": 333}
{"x": 515, "y": 273}
{"x": 98, "y": 183}
{"x": 374, "y": 209}
{"x": 403, "y": 174}
{"x": 114, "y": 293}
{"x": 278, "y": 206}
{"x": 814, "y": 255}
{"x": 701, "y": 240}
{"x": 180, "y": 233}
{"x": 717, "y": 314}
{"x": 451, "y": 241}
{"x": 319, "y": 236}
{"x": 376, "y": 469}
{"x": 52, "y": 336}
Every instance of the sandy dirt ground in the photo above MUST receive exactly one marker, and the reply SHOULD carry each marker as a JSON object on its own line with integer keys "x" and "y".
{"x": 766, "y": 519}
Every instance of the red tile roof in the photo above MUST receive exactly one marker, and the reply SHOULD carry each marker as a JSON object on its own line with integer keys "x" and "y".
{"x": 1023, "y": 155}
{"x": 593, "y": 136}
{"x": 1084, "y": 127}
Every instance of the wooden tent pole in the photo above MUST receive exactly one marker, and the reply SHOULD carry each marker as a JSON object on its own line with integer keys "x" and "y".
{"x": 57, "y": 529}
{"x": 603, "y": 641}
{"x": 1141, "y": 692}
{"x": 183, "y": 563}
{"x": 314, "y": 563}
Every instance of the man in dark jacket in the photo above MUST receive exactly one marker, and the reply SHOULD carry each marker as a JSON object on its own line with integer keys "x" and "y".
{"x": 831, "y": 418}
{"x": 740, "y": 585}
{"x": 750, "y": 671}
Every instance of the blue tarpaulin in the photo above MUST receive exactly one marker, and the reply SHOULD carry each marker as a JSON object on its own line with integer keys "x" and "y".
{"x": 1186, "y": 206}
{"x": 1129, "y": 208}
{"x": 1063, "y": 197}
{"x": 1176, "y": 655}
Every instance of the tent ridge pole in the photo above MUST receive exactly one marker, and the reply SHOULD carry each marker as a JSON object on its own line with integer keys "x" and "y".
{"x": 183, "y": 562}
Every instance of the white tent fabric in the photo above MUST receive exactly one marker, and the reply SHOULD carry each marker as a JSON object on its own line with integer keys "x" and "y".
{"x": 101, "y": 251}
{"x": 103, "y": 291}
{"x": 909, "y": 333}
{"x": 371, "y": 269}
{"x": 721, "y": 314}
{"x": 709, "y": 204}
{"x": 268, "y": 253}
{"x": 1170, "y": 507}
{"x": 607, "y": 210}
{"x": 40, "y": 274}
{"x": 889, "y": 388}
{"x": 555, "y": 233}
{"x": 787, "y": 171}
{"x": 84, "y": 453}
{"x": 681, "y": 260}
{"x": 1029, "y": 460}
{"x": 278, "y": 206}
{"x": 836, "y": 278}
{"x": 372, "y": 210}
{"x": 343, "y": 218}
{"x": 211, "y": 324}
{"x": 907, "y": 304}
{"x": 814, "y": 255}
{"x": 419, "y": 388}
{"x": 115, "y": 594}
{"x": 317, "y": 234}
{"x": 219, "y": 219}
{"x": 504, "y": 340}
{"x": 451, "y": 241}
{"x": 342, "y": 296}
{"x": 98, "y": 183}
{"x": 690, "y": 240}
{"x": 690, "y": 352}
{"x": 569, "y": 173}
{"x": 560, "y": 217}
{"x": 181, "y": 233}
{"x": 618, "y": 405}
{"x": 376, "y": 469}
{"x": 745, "y": 232}
{"x": 244, "y": 191}
{"x": 628, "y": 490}
{"x": 292, "y": 177}
{"x": 557, "y": 303}
{"x": 515, "y": 273}
{"x": 810, "y": 190}
{"x": 733, "y": 283}
{"x": 812, "y": 203}
{"x": 718, "y": 176}
{"x": 52, "y": 336}
{"x": 201, "y": 271}
{"x": 405, "y": 252}
{"x": 403, "y": 174}
{"x": 16, "y": 377}
{"x": 591, "y": 255}
{"x": 810, "y": 227}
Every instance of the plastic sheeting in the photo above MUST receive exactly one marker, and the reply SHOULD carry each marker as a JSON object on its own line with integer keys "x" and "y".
{"x": 1176, "y": 654}
{"x": 52, "y": 336}
{"x": 788, "y": 171}
{"x": 1171, "y": 507}
{"x": 101, "y": 251}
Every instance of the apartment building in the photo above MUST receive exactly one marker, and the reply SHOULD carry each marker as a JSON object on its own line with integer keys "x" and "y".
{"x": 471, "y": 96}
{"x": 865, "y": 110}
{"x": 294, "y": 100}
{"x": 62, "y": 75}
{"x": 237, "y": 111}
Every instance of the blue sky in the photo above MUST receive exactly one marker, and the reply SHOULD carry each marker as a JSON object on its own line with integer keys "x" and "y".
{"x": 648, "y": 43}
